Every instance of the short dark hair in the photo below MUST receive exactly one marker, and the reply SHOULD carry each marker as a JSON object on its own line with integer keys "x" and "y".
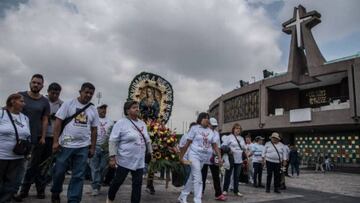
{"x": 54, "y": 87}
{"x": 37, "y": 75}
{"x": 192, "y": 124}
{"x": 128, "y": 104}
{"x": 87, "y": 85}
{"x": 201, "y": 116}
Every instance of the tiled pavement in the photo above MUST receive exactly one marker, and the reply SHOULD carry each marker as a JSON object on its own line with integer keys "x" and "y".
{"x": 310, "y": 187}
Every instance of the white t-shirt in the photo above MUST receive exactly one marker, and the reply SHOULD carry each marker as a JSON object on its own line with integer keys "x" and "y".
{"x": 182, "y": 143}
{"x": 231, "y": 142}
{"x": 217, "y": 140}
{"x": 202, "y": 140}
{"x": 287, "y": 152}
{"x": 270, "y": 154}
{"x": 257, "y": 150}
{"x": 77, "y": 133}
{"x": 131, "y": 144}
{"x": 7, "y": 134}
{"x": 103, "y": 130}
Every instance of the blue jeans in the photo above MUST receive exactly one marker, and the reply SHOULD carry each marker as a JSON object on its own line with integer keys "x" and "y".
{"x": 236, "y": 170}
{"x": 78, "y": 159}
{"x": 97, "y": 165}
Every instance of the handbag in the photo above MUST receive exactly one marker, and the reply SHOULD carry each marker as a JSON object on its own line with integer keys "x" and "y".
{"x": 68, "y": 119}
{"x": 22, "y": 147}
{"x": 147, "y": 153}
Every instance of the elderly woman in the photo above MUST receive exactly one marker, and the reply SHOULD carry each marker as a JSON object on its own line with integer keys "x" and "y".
{"x": 128, "y": 143}
{"x": 10, "y": 163}
{"x": 200, "y": 142}
{"x": 237, "y": 145}
{"x": 274, "y": 154}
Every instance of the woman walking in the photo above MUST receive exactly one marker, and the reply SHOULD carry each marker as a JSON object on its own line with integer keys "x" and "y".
{"x": 237, "y": 146}
{"x": 201, "y": 140}
{"x": 13, "y": 126}
{"x": 275, "y": 155}
{"x": 128, "y": 144}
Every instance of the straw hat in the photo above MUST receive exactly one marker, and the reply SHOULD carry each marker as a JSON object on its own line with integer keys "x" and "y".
{"x": 275, "y": 135}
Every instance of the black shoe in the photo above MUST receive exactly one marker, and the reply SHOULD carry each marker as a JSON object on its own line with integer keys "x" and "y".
{"x": 16, "y": 198}
{"x": 55, "y": 198}
{"x": 40, "y": 195}
{"x": 277, "y": 191}
{"x": 267, "y": 191}
{"x": 150, "y": 189}
{"x": 255, "y": 186}
{"x": 261, "y": 186}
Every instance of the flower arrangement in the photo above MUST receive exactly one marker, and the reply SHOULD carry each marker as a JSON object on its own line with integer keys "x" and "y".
{"x": 165, "y": 151}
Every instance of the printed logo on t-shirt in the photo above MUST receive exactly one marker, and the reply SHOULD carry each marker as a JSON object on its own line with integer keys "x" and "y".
{"x": 206, "y": 143}
{"x": 18, "y": 123}
{"x": 81, "y": 120}
{"x": 141, "y": 137}
{"x": 102, "y": 129}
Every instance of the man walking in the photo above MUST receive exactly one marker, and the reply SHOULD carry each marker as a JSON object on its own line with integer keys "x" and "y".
{"x": 77, "y": 141}
{"x": 37, "y": 109}
{"x": 98, "y": 162}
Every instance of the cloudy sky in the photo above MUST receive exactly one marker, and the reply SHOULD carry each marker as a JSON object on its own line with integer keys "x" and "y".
{"x": 202, "y": 47}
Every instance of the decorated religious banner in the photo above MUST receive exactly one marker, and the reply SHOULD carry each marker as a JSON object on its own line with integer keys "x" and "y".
{"x": 154, "y": 94}
{"x": 155, "y": 97}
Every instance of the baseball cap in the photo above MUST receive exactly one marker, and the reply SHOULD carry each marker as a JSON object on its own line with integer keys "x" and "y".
{"x": 213, "y": 121}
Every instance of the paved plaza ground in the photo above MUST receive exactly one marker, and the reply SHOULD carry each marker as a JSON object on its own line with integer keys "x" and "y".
{"x": 331, "y": 187}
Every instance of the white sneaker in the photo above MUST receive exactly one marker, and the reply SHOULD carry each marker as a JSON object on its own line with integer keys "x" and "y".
{"x": 108, "y": 201}
{"x": 239, "y": 194}
{"x": 224, "y": 193}
{"x": 95, "y": 192}
{"x": 181, "y": 200}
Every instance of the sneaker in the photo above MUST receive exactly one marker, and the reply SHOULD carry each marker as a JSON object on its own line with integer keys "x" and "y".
{"x": 267, "y": 191}
{"x": 55, "y": 198}
{"x": 95, "y": 192}
{"x": 181, "y": 200}
{"x": 277, "y": 191}
{"x": 224, "y": 193}
{"x": 108, "y": 200}
{"x": 40, "y": 195}
{"x": 220, "y": 198}
{"x": 151, "y": 190}
{"x": 261, "y": 186}
{"x": 16, "y": 198}
{"x": 238, "y": 194}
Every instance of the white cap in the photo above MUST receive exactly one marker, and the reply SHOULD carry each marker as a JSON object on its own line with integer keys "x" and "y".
{"x": 101, "y": 105}
{"x": 213, "y": 121}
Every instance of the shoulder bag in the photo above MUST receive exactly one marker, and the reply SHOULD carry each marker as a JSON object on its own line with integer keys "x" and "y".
{"x": 147, "y": 152}
{"x": 22, "y": 147}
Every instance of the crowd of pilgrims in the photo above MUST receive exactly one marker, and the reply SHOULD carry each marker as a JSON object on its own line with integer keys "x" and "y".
{"x": 80, "y": 136}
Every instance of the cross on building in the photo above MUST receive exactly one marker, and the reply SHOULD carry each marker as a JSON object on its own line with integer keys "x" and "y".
{"x": 297, "y": 23}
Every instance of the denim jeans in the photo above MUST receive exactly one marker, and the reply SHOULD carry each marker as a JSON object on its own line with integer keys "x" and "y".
{"x": 78, "y": 159}
{"x": 235, "y": 170}
{"x": 97, "y": 165}
{"x": 9, "y": 170}
{"x": 258, "y": 167}
{"x": 120, "y": 176}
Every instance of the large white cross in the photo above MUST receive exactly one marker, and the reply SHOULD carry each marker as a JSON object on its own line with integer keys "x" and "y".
{"x": 297, "y": 23}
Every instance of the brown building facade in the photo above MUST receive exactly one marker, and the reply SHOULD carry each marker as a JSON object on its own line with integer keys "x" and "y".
{"x": 315, "y": 105}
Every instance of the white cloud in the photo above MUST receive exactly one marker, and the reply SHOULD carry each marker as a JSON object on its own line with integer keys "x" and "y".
{"x": 202, "y": 47}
